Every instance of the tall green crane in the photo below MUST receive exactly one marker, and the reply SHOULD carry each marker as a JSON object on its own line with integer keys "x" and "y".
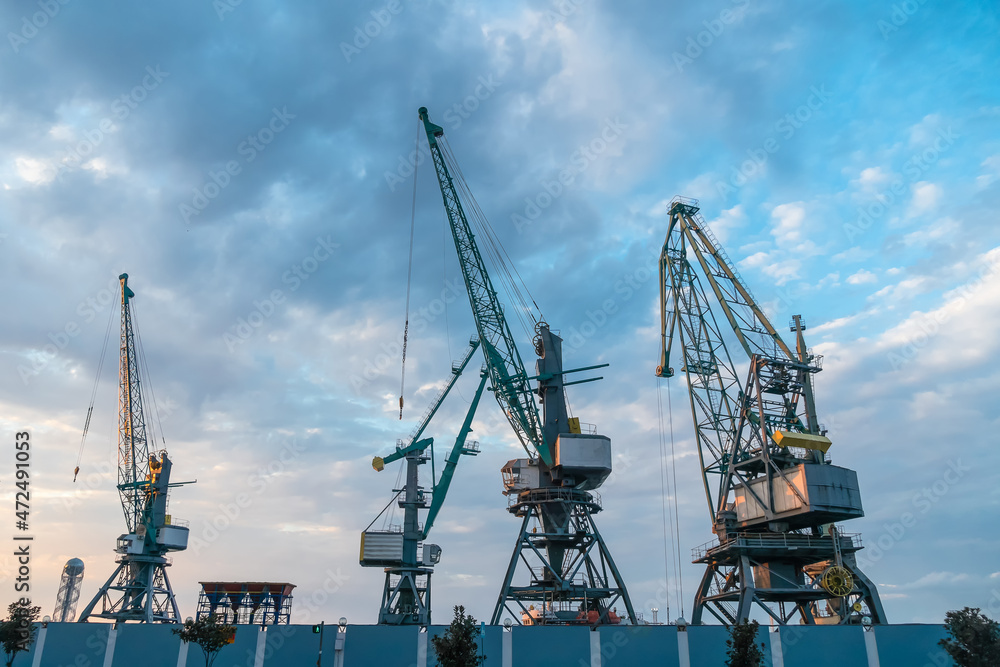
{"x": 503, "y": 361}
{"x": 773, "y": 495}
{"x": 574, "y": 580}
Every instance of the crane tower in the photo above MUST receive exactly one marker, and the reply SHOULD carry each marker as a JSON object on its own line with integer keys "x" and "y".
{"x": 139, "y": 589}
{"x": 69, "y": 591}
{"x": 774, "y": 496}
{"x": 572, "y": 578}
{"x": 406, "y": 595}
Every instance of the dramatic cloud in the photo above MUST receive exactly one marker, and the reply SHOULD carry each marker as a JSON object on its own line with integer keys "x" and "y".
{"x": 251, "y": 165}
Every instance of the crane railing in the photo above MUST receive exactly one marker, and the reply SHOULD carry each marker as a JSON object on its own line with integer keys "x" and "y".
{"x": 769, "y": 540}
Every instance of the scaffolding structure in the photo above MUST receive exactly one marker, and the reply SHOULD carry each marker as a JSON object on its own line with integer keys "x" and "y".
{"x": 246, "y": 602}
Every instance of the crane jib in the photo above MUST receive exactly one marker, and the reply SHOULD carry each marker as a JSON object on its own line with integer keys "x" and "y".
{"x": 503, "y": 360}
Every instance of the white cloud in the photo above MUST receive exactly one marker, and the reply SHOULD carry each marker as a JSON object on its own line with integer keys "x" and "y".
{"x": 102, "y": 168}
{"x": 925, "y": 131}
{"x": 782, "y": 270}
{"x": 903, "y": 290}
{"x": 925, "y": 197}
{"x": 701, "y": 187}
{"x": 940, "y": 228}
{"x": 961, "y": 329}
{"x": 870, "y": 182}
{"x": 728, "y": 220}
{"x": 34, "y": 171}
{"x": 829, "y": 280}
{"x": 788, "y": 220}
{"x": 840, "y": 322}
{"x": 62, "y": 132}
{"x": 991, "y": 167}
{"x": 854, "y": 254}
{"x": 862, "y": 277}
{"x": 936, "y": 579}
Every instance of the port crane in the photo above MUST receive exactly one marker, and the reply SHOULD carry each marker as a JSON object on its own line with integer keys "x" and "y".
{"x": 139, "y": 589}
{"x": 572, "y": 576}
{"x": 774, "y": 496}
{"x": 406, "y": 595}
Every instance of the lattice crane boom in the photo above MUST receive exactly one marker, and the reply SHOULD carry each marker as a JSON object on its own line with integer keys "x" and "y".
{"x": 406, "y": 593}
{"x": 772, "y": 494}
{"x": 133, "y": 449}
{"x": 139, "y": 589}
{"x": 572, "y": 576}
{"x": 506, "y": 369}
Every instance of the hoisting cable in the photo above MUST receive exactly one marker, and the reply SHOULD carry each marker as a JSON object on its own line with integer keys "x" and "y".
{"x": 144, "y": 372}
{"x": 93, "y": 394}
{"x": 521, "y": 293}
{"x": 663, "y": 499}
{"x": 409, "y": 273}
{"x": 510, "y": 279}
{"x": 479, "y": 219}
{"x": 387, "y": 522}
{"x": 677, "y": 520}
{"x": 383, "y": 511}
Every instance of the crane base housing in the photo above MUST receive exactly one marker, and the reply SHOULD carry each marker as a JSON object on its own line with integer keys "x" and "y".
{"x": 783, "y": 574}
{"x": 572, "y": 578}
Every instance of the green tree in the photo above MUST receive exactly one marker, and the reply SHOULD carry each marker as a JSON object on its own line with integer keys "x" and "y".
{"x": 17, "y": 632}
{"x": 209, "y": 634}
{"x": 742, "y": 646}
{"x": 974, "y": 638}
{"x": 457, "y": 647}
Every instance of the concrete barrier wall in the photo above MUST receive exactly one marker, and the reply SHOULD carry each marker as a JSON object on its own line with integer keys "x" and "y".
{"x": 100, "y": 645}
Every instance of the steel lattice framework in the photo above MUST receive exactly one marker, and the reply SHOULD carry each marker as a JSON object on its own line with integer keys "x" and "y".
{"x": 573, "y": 573}
{"x": 506, "y": 369}
{"x": 760, "y": 447}
{"x": 139, "y": 589}
{"x": 133, "y": 449}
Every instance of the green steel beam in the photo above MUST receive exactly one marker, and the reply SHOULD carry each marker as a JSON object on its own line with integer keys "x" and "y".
{"x": 441, "y": 488}
{"x": 503, "y": 361}
{"x": 456, "y": 373}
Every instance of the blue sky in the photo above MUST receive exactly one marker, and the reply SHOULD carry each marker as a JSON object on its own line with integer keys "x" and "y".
{"x": 250, "y": 166}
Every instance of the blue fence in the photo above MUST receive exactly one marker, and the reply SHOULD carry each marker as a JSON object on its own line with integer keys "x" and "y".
{"x": 101, "y": 645}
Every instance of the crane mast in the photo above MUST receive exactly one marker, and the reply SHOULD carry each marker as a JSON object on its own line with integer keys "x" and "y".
{"x": 406, "y": 595}
{"x": 574, "y": 579}
{"x": 139, "y": 589}
{"x": 773, "y": 496}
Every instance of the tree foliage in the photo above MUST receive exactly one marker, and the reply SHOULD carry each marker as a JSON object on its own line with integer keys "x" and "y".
{"x": 742, "y": 647}
{"x": 209, "y": 634}
{"x": 458, "y": 647}
{"x": 17, "y": 632}
{"x": 974, "y": 638}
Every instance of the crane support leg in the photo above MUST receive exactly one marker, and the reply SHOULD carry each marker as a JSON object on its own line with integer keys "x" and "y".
{"x": 573, "y": 579}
